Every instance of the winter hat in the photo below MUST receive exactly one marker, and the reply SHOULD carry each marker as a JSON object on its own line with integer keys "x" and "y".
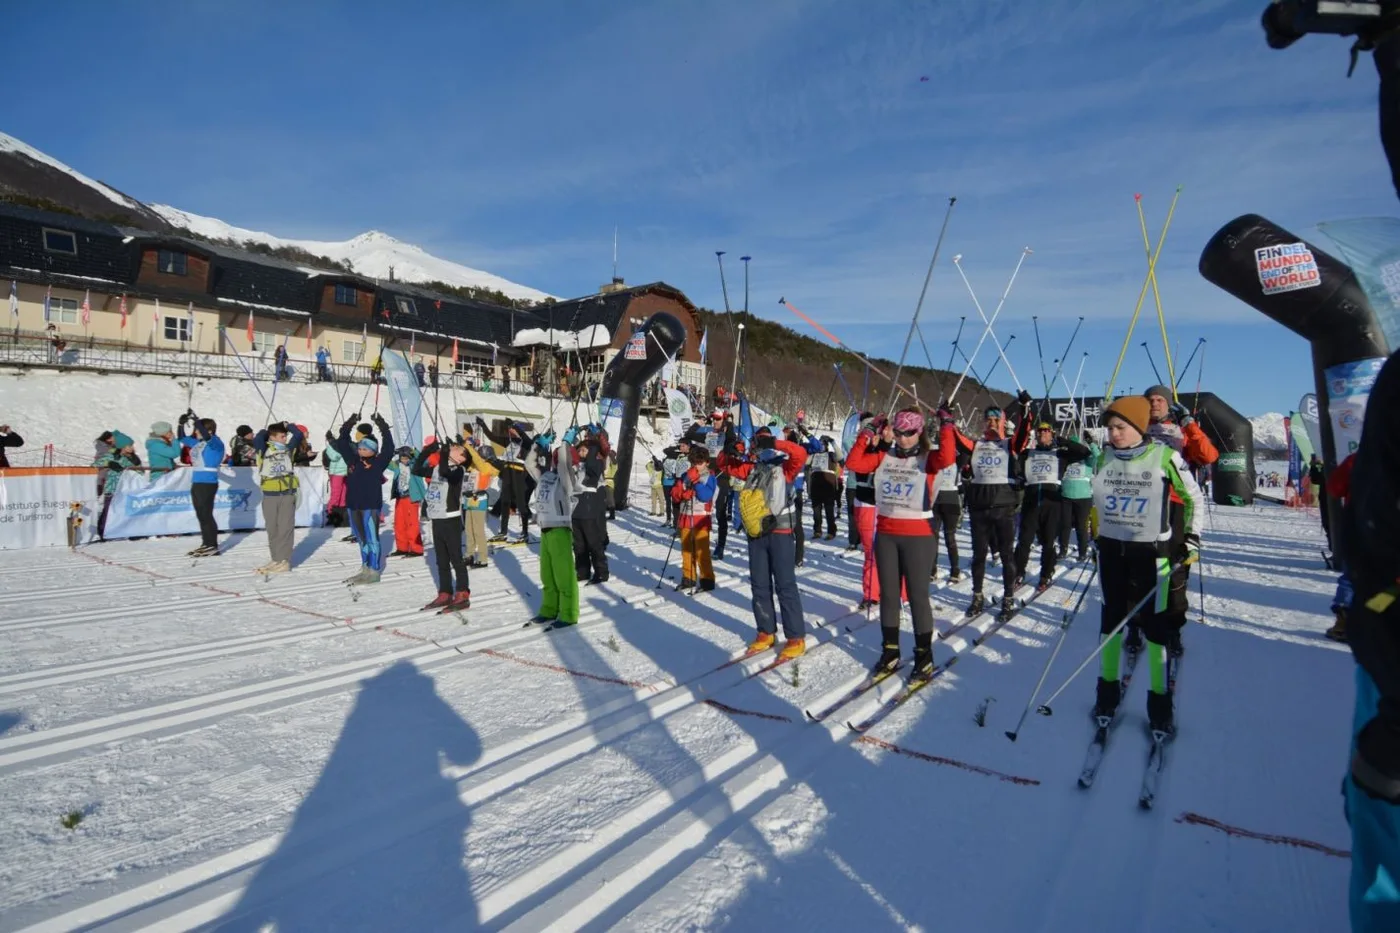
{"x": 368, "y": 443}
{"x": 1163, "y": 391}
{"x": 1133, "y": 409}
{"x": 906, "y": 421}
{"x": 160, "y": 428}
{"x": 763, "y": 432}
{"x": 1045, "y": 426}
{"x": 363, "y": 430}
{"x": 243, "y": 431}
{"x": 993, "y": 412}
{"x": 121, "y": 441}
{"x": 764, "y": 441}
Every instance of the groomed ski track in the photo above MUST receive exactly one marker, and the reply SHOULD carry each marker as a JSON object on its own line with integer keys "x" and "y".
{"x": 294, "y": 753}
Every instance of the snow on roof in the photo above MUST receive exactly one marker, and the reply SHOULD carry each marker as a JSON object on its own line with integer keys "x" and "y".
{"x": 435, "y": 334}
{"x": 10, "y": 144}
{"x": 257, "y": 307}
{"x": 586, "y": 339}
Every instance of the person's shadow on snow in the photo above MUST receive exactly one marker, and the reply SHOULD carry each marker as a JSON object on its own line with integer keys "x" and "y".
{"x": 379, "y": 842}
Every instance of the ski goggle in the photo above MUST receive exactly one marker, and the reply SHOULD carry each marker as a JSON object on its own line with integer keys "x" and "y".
{"x": 907, "y": 433}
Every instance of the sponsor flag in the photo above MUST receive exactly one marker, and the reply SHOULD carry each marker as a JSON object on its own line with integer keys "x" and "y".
{"x": 704, "y": 343}
{"x": 405, "y": 400}
{"x": 310, "y": 325}
{"x": 454, "y": 354}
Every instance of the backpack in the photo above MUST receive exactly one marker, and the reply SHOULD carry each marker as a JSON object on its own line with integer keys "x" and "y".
{"x": 754, "y": 511}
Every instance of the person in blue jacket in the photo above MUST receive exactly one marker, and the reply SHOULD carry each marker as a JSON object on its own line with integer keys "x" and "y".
{"x": 365, "y": 464}
{"x": 162, "y": 453}
{"x": 206, "y": 455}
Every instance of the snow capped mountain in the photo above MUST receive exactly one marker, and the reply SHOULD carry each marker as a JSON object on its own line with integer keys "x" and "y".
{"x": 11, "y": 145}
{"x": 1268, "y": 431}
{"x": 370, "y": 254}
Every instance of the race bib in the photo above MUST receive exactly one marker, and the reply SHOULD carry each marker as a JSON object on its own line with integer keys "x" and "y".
{"x": 1078, "y": 470}
{"x": 1130, "y": 497}
{"x": 990, "y": 462}
{"x": 821, "y": 463}
{"x": 1042, "y": 468}
{"x": 436, "y": 499}
{"x": 901, "y": 488}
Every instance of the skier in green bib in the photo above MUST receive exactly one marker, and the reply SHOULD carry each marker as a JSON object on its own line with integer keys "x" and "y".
{"x": 556, "y": 493}
{"x": 1138, "y": 550}
{"x": 1077, "y": 490}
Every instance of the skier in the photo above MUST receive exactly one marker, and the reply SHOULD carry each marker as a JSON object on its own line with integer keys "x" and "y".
{"x": 947, "y": 505}
{"x": 765, "y": 505}
{"x": 241, "y": 452}
{"x": 277, "y": 478}
{"x": 206, "y": 455}
{"x": 365, "y": 464}
{"x": 554, "y": 503}
{"x": 797, "y": 434}
{"x": 590, "y": 524}
{"x": 824, "y": 481}
{"x": 860, "y": 491}
{"x": 101, "y": 447}
{"x": 907, "y": 474}
{"x": 8, "y": 438}
{"x": 655, "y": 472}
{"x": 406, "y": 489}
{"x": 672, "y": 466}
{"x": 446, "y": 478}
{"x": 515, "y": 490}
{"x": 1372, "y": 551}
{"x": 694, "y": 493}
{"x": 720, "y": 431}
{"x": 475, "y": 502}
{"x": 991, "y": 498}
{"x": 1137, "y": 542}
{"x": 1077, "y": 493}
{"x": 162, "y": 453}
{"x": 335, "y": 466}
{"x": 1042, "y": 465}
{"x": 121, "y": 456}
{"x": 1339, "y": 485}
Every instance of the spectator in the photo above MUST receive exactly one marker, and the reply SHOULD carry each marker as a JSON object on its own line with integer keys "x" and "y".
{"x": 57, "y": 342}
{"x": 162, "y": 453}
{"x": 100, "y": 448}
{"x": 8, "y": 439}
{"x": 120, "y": 456}
{"x": 243, "y": 453}
{"x": 418, "y": 371}
{"x": 279, "y": 357}
{"x": 323, "y": 365}
{"x": 433, "y": 374}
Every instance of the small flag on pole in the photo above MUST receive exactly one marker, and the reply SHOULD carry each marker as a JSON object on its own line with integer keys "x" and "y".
{"x": 122, "y": 309}
{"x": 190, "y": 315}
{"x": 412, "y": 342}
{"x": 454, "y": 354}
{"x": 494, "y": 348}
{"x": 48, "y": 304}
{"x": 155, "y": 318}
{"x": 14, "y": 298}
{"x": 250, "y": 327}
{"x": 87, "y": 307}
{"x": 704, "y": 341}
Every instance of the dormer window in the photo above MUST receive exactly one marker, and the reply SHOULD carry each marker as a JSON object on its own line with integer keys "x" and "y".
{"x": 60, "y": 241}
{"x": 171, "y": 262}
{"x": 347, "y": 295}
{"x": 406, "y": 306}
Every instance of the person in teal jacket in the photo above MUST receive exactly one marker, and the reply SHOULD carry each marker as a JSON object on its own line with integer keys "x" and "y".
{"x": 162, "y": 453}
{"x": 407, "y": 491}
{"x": 335, "y": 466}
{"x": 121, "y": 457}
{"x": 1077, "y": 493}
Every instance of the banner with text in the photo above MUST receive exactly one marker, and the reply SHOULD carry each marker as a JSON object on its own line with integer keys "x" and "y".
{"x": 144, "y": 506}
{"x": 37, "y": 506}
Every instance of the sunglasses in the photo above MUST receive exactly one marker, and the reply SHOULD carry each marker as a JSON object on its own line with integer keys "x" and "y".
{"x": 906, "y": 433}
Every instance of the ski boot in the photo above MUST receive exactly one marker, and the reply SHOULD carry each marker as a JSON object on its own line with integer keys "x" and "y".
{"x": 1106, "y": 700}
{"x": 955, "y": 576}
{"x": 541, "y": 620}
{"x": 707, "y": 584}
{"x": 1338, "y": 631}
{"x": 793, "y": 648}
{"x": 977, "y": 605}
{"x": 922, "y": 669}
{"x": 369, "y": 576}
{"x": 685, "y": 584}
{"x": 763, "y": 642}
{"x": 461, "y": 602}
{"x": 1044, "y": 584}
{"x": 357, "y": 578}
{"x": 888, "y": 661}
{"x": 1159, "y": 713}
{"x": 1008, "y": 607}
{"x": 439, "y": 601}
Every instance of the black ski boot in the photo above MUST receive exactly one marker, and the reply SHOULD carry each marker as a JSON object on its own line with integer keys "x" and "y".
{"x": 1106, "y": 700}
{"x": 922, "y": 669}
{"x": 1159, "y": 713}
{"x": 955, "y": 576}
{"x": 1008, "y": 607}
{"x": 975, "y": 607}
{"x": 889, "y": 656}
{"x": 1044, "y": 584}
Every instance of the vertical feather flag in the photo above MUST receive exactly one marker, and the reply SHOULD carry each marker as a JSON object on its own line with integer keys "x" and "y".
{"x": 190, "y": 317}
{"x": 310, "y": 325}
{"x": 704, "y": 343}
{"x": 155, "y": 317}
{"x": 250, "y": 327}
{"x": 122, "y": 309}
{"x": 494, "y": 348}
{"x": 454, "y": 354}
{"x": 14, "y": 298}
{"x": 364, "y": 343}
{"x": 87, "y": 307}
{"x": 412, "y": 341}
{"x": 48, "y": 304}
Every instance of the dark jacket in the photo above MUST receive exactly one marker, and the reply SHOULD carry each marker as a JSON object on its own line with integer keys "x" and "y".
{"x": 453, "y": 475}
{"x": 364, "y": 479}
{"x": 998, "y": 495}
{"x": 1067, "y": 451}
{"x": 589, "y": 464}
{"x": 8, "y": 440}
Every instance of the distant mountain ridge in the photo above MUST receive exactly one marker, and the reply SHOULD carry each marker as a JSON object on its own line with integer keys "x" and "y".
{"x": 1268, "y": 432}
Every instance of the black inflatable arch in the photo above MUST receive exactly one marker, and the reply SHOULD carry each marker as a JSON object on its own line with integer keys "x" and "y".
{"x": 620, "y": 395}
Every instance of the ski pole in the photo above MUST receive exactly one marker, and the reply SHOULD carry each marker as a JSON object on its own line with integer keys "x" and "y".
{"x": 1040, "y": 353}
{"x": 943, "y": 377}
{"x": 724, "y": 287}
{"x": 1192, "y": 358}
{"x": 1142, "y": 296}
{"x": 957, "y": 261}
{"x": 247, "y": 372}
{"x": 1044, "y": 708}
{"x": 276, "y": 377}
{"x": 1065, "y": 621}
{"x": 661, "y": 574}
{"x": 1156, "y": 294}
{"x": 923, "y": 292}
{"x": 847, "y": 388}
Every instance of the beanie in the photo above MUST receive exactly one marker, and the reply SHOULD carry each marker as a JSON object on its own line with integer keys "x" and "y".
{"x": 363, "y": 430}
{"x": 120, "y": 440}
{"x": 1164, "y": 391}
{"x": 160, "y": 428}
{"x": 1133, "y": 409}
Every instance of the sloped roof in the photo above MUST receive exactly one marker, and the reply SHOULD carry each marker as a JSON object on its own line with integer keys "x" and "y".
{"x": 606, "y": 309}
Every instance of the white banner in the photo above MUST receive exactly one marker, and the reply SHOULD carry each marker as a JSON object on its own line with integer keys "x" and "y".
{"x": 143, "y": 506}
{"x": 36, "y": 506}
{"x": 678, "y": 406}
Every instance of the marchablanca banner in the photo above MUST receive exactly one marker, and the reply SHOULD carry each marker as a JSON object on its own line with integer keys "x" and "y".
{"x": 144, "y": 506}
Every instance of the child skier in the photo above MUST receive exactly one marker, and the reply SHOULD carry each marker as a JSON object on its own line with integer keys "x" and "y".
{"x": 443, "y": 495}
{"x": 335, "y": 466}
{"x": 1138, "y": 547}
{"x": 590, "y": 523}
{"x": 515, "y": 495}
{"x": 947, "y": 505}
{"x": 364, "y": 494}
{"x": 406, "y": 490}
{"x": 475, "y": 503}
{"x": 278, "y": 480}
{"x": 120, "y": 456}
{"x": 694, "y": 493}
{"x": 555, "y": 495}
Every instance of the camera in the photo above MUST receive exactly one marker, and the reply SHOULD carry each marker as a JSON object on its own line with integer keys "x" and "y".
{"x": 1287, "y": 21}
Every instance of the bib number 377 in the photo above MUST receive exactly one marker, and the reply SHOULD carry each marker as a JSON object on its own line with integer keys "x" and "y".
{"x": 1125, "y": 505}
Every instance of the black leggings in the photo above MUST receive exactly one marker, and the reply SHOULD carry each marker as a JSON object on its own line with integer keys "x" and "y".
{"x": 949, "y": 515}
{"x": 908, "y": 558}
{"x": 202, "y": 495}
{"x": 827, "y": 508}
{"x": 447, "y": 548}
{"x": 1074, "y": 516}
{"x": 993, "y": 528}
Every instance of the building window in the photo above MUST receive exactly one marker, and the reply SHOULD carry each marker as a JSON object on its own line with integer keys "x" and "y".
{"x": 406, "y": 306}
{"x": 60, "y": 241}
{"x": 264, "y": 343}
{"x": 63, "y": 310}
{"x": 171, "y": 262}
{"x": 353, "y": 351}
{"x": 177, "y": 328}
{"x": 347, "y": 295}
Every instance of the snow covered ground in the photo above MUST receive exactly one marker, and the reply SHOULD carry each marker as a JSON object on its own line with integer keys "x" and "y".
{"x": 292, "y": 755}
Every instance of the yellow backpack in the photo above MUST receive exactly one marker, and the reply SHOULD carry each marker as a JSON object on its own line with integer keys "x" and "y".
{"x": 757, "y": 518}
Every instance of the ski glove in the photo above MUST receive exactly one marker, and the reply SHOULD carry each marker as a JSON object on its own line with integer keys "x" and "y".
{"x": 1180, "y": 414}
{"x": 945, "y": 416}
{"x": 1193, "y": 550}
{"x": 570, "y": 436}
{"x": 1024, "y": 397}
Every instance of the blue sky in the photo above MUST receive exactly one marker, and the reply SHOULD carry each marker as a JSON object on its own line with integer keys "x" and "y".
{"x": 514, "y": 136}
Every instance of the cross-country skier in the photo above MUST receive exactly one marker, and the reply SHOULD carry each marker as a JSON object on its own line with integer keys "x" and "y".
{"x": 1138, "y": 544}
{"x": 335, "y": 467}
{"x": 515, "y": 488}
{"x": 1077, "y": 495}
{"x": 765, "y": 505}
{"x": 407, "y": 490}
{"x": 365, "y": 463}
{"x": 475, "y": 501}
{"x": 907, "y": 472}
{"x": 206, "y": 456}
{"x": 443, "y": 500}
{"x": 947, "y": 505}
{"x": 991, "y": 498}
{"x": 1372, "y": 552}
{"x": 676, "y": 461}
{"x": 694, "y": 493}
{"x": 797, "y": 434}
{"x": 860, "y": 492}
{"x": 162, "y": 453}
{"x": 278, "y": 480}
{"x": 556, "y": 493}
{"x": 1042, "y": 465}
{"x": 590, "y": 522}
{"x": 824, "y": 483}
